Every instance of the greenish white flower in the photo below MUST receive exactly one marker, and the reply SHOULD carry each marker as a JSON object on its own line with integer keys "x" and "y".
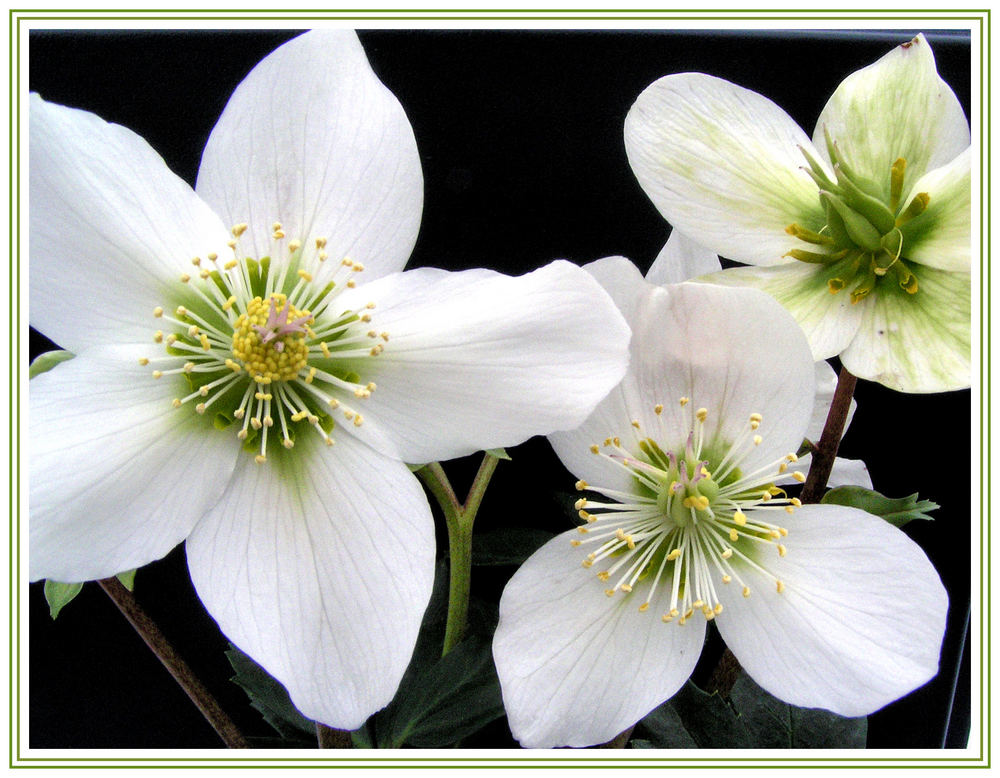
{"x": 683, "y": 523}
{"x": 862, "y": 233}
{"x": 215, "y": 368}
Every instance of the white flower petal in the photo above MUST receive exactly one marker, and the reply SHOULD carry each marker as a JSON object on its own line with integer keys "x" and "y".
{"x": 723, "y": 165}
{"x": 829, "y": 321}
{"x": 319, "y": 565}
{"x": 895, "y": 107}
{"x": 314, "y": 140}
{"x": 717, "y": 347}
{"x": 479, "y": 360}
{"x": 577, "y": 667}
{"x": 941, "y": 236}
{"x": 681, "y": 259}
{"x": 826, "y": 387}
{"x": 916, "y": 343}
{"x": 859, "y": 623}
{"x": 118, "y": 475}
{"x": 111, "y": 228}
{"x": 845, "y": 472}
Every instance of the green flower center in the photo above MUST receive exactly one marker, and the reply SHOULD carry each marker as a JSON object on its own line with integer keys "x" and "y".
{"x": 863, "y": 241}
{"x": 693, "y": 520}
{"x": 263, "y": 346}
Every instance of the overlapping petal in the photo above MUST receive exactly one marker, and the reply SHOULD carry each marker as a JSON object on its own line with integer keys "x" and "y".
{"x": 858, "y": 624}
{"x": 916, "y": 343}
{"x": 104, "y": 205}
{"x": 896, "y": 107}
{"x": 320, "y": 568}
{"x": 118, "y": 476}
{"x": 941, "y": 237}
{"x": 576, "y": 667}
{"x": 723, "y": 165}
{"x": 681, "y": 259}
{"x": 476, "y": 359}
{"x": 311, "y": 138}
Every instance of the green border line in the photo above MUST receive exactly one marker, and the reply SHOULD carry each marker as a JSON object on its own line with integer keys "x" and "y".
{"x": 974, "y": 16}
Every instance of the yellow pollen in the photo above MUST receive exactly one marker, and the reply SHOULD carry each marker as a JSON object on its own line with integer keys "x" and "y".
{"x": 185, "y": 278}
{"x": 734, "y": 535}
{"x": 176, "y": 402}
{"x": 684, "y": 401}
{"x": 158, "y": 336}
{"x": 610, "y": 592}
{"x": 675, "y": 554}
{"x": 626, "y": 588}
{"x": 657, "y": 409}
{"x": 727, "y": 579}
{"x": 757, "y": 440}
{"x": 239, "y": 229}
{"x": 799, "y": 477}
{"x": 782, "y": 550}
{"x": 264, "y": 360}
{"x": 157, "y": 374}
{"x": 644, "y": 607}
{"x": 287, "y": 442}
{"x": 701, "y": 414}
{"x": 604, "y": 575}
{"x": 230, "y": 264}
{"x": 746, "y": 591}
{"x": 581, "y": 485}
{"x": 727, "y": 553}
{"x": 304, "y": 275}
{"x": 718, "y": 608}
{"x": 188, "y": 367}
{"x": 782, "y": 467}
{"x": 157, "y": 312}
{"x": 635, "y": 423}
{"x": 780, "y": 587}
{"x": 200, "y": 407}
{"x": 594, "y": 449}
{"x": 294, "y": 246}
{"x": 740, "y": 518}
{"x": 143, "y": 361}
{"x": 260, "y": 459}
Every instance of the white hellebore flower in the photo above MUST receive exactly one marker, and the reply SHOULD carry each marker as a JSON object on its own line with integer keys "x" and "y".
{"x": 216, "y": 368}
{"x": 681, "y": 259}
{"x": 862, "y": 233}
{"x": 824, "y": 606}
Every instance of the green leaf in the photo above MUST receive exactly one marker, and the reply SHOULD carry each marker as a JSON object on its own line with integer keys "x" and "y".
{"x": 270, "y": 698}
{"x": 43, "y": 363}
{"x": 509, "y": 546}
{"x": 895, "y": 511}
{"x": 59, "y": 595}
{"x": 127, "y": 579}
{"x": 771, "y": 723}
{"x": 498, "y": 453}
{"x": 449, "y": 700}
{"x": 708, "y": 720}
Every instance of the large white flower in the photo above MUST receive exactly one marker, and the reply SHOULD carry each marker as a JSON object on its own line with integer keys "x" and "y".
{"x": 863, "y": 233}
{"x": 823, "y": 606}
{"x": 215, "y": 368}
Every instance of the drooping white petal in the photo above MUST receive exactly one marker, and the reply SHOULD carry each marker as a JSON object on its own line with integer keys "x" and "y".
{"x": 577, "y": 667}
{"x": 477, "y": 359}
{"x": 320, "y": 566}
{"x": 829, "y": 321}
{"x": 111, "y": 228}
{"x": 916, "y": 343}
{"x": 860, "y": 620}
{"x": 941, "y": 236}
{"x": 118, "y": 475}
{"x": 717, "y": 347}
{"x": 845, "y": 472}
{"x": 312, "y": 139}
{"x": 681, "y": 259}
{"x": 826, "y": 386}
{"x": 723, "y": 165}
{"x": 895, "y": 107}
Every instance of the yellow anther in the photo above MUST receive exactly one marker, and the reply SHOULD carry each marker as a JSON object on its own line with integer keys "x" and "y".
{"x": 579, "y": 504}
{"x": 582, "y": 513}
{"x": 158, "y": 336}
{"x": 610, "y": 592}
{"x": 230, "y": 264}
{"x": 185, "y": 278}
{"x": 697, "y": 604}
{"x": 780, "y": 587}
{"x": 684, "y": 401}
{"x": 203, "y": 391}
{"x": 727, "y": 553}
{"x": 304, "y": 275}
{"x": 586, "y": 563}
{"x": 143, "y": 361}
{"x": 782, "y": 467}
{"x": 755, "y": 420}
{"x": 740, "y": 518}
{"x": 604, "y": 575}
{"x": 261, "y": 396}
{"x": 229, "y": 303}
{"x": 334, "y": 403}
{"x": 626, "y": 588}
{"x": 757, "y": 440}
{"x": 176, "y": 402}
{"x": 212, "y": 256}
{"x": 204, "y": 342}
{"x": 783, "y": 532}
{"x": 260, "y": 459}
{"x": 673, "y": 555}
{"x": 727, "y": 579}
{"x": 635, "y": 423}
{"x": 701, "y": 414}
{"x": 193, "y": 330}
{"x": 171, "y": 339}
{"x": 239, "y": 413}
{"x": 157, "y": 311}
{"x": 242, "y": 434}
{"x": 231, "y": 244}
{"x": 256, "y": 423}
{"x": 576, "y": 542}
{"x": 294, "y": 246}
{"x": 644, "y": 607}
{"x": 689, "y": 614}
{"x": 797, "y": 475}
{"x": 188, "y": 367}
{"x": 746, "y": 591}
{"x": 287, "y": 442}
{"x": 239, "y": 229}
{"x": 657, "y": 409}
{"x": 205, "y": 275}
{"x": 734, "y": 535}
{"x": 717, "y": 609}
{"x": 311, "y": 375}
{"x": 666, "y": 618}
{"x": 594, "y": 449}
{"x": 792, "y": 457}
{"x": 782, "y": 550}
{"x": 350, "y": 283}
{"x": 322, "y": 255}
{"x": 581, "y": 485}
{"x": 796, "y": 502}
{"x": 789, "y": 509}
{"x": 200, "y": 407}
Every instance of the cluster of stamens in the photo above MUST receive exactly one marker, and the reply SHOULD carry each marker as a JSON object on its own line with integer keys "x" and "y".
{"x": 691, "y": 523}
{"x": 863, "y": 238}
{"x": 260, "y": 344}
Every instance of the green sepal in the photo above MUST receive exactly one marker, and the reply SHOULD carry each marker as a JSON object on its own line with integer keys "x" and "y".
{"x": 58, "y": 595}
{"x": 898, "y": 511}
{"x": 43, "y": 363}
{"x": 860, "y": 230}
{"x": 865, "y": 184}
{"x": 498, "y": 453}
{"x": 127, "y": 579}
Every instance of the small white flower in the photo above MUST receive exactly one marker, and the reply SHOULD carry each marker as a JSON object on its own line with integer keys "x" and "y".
{"x": 215, "y": 368}
{"x": 682, "y": 524}
{"x": 863, "y": 233}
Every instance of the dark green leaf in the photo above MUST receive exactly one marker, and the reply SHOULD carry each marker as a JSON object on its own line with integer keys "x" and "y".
{"x": 449, "y": 700}
{"x": 59, "y": 595}
{"x": 270, "y": 698}
{"x": 509, "y": 546}
{"x": 640, "y": 743}
{"x": 664, "y": 729}
{"x": 895, "y": 511}
{"x": 709, "y": 721}
{"x": 771, "y": 723}
{"x": 43, "y": 363}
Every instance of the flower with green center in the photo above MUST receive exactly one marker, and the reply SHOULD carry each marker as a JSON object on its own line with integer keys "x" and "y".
{"x": 862, "y": 233}
{"x": 245, "y": 391}
{"x": 683, "y": 524}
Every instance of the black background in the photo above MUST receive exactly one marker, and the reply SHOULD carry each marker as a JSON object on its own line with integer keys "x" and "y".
{"x": 520, "y": 136}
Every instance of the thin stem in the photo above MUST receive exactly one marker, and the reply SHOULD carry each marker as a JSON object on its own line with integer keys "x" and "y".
{"x": 327, "y": 737}
{"x": 825, "y": 452}
{"x": 171, "y": 660}
{"x": 459, "y": 519}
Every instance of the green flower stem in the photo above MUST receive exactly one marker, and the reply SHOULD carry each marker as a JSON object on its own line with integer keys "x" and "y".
{"x": 327, "y": 737}
{"x": 825, "y": 452}
{"x": 171, "y": 660}
{"x": 459, "y": 519}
